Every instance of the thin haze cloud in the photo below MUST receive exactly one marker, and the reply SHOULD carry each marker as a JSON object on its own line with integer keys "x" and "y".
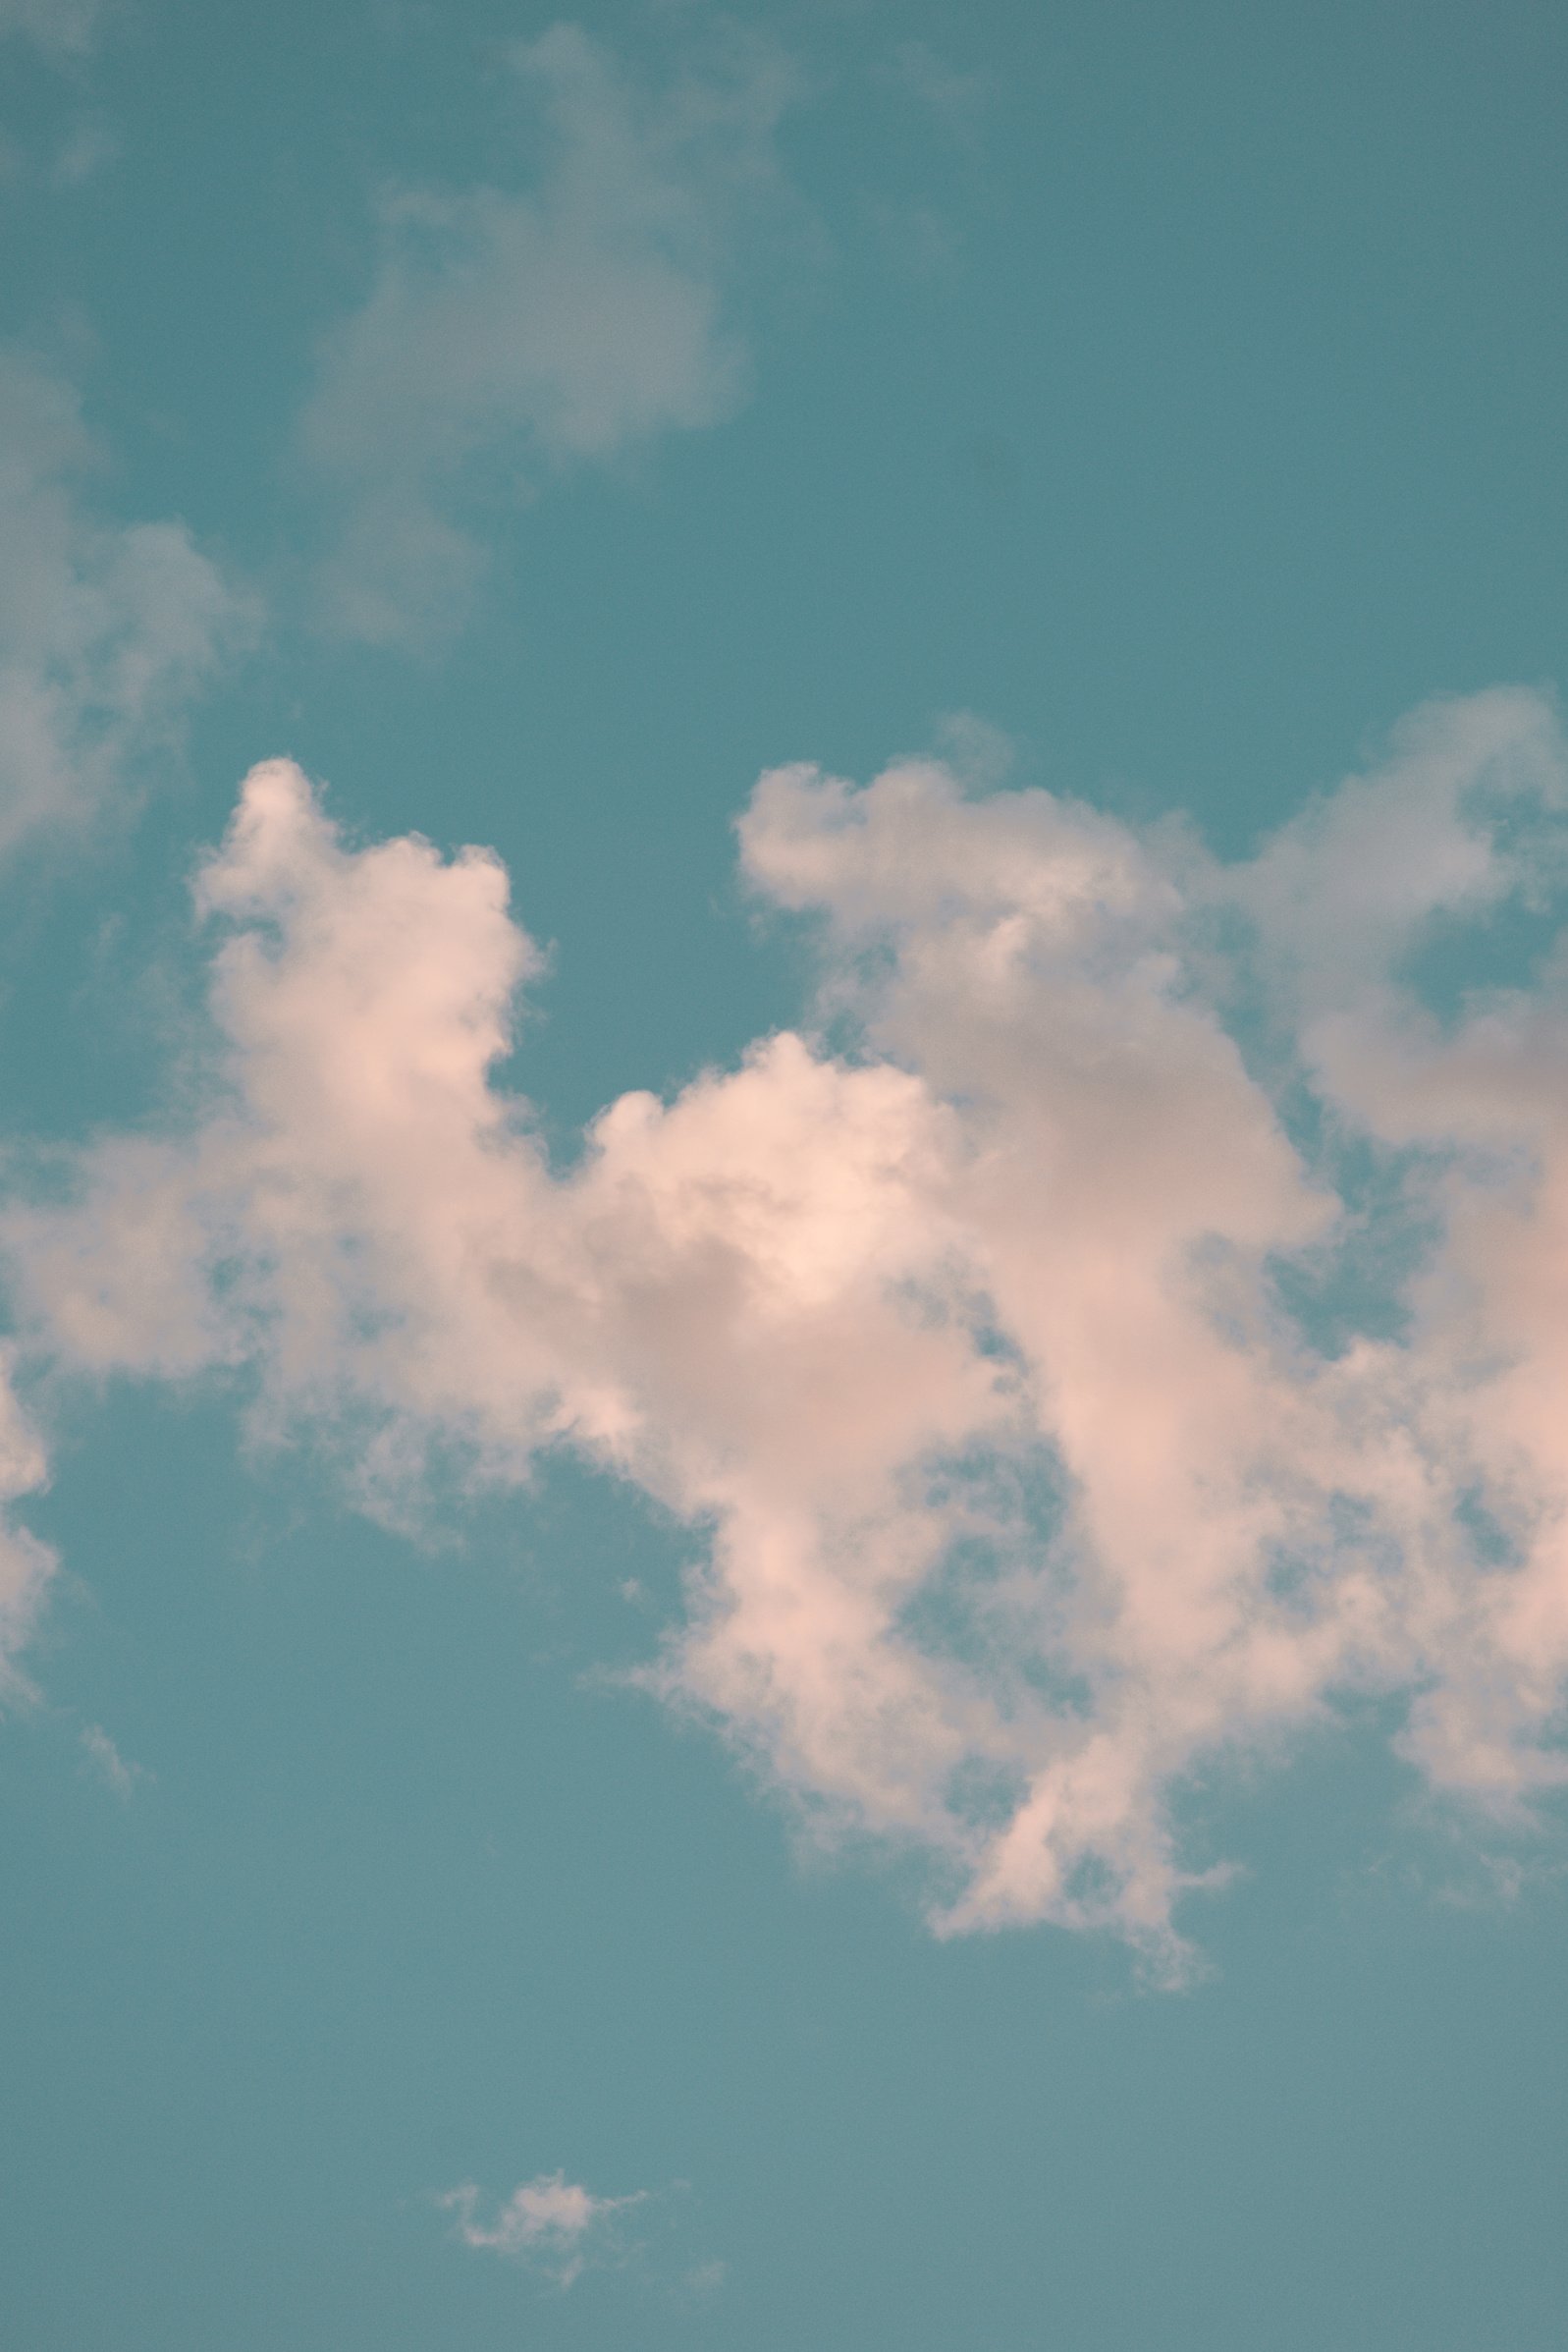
{"x": 60, "y": 28}
{"x": 955, "y": 96}
{"x": 510, "y": 334}
{"x": 117, "y": 1773}
{"x": 109, "y": 629}
{"x": 25, "y": 1563}
{"x": 1062, "y": 1412}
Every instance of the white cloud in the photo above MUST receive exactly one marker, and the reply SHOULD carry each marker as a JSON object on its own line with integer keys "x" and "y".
{"x": 1025, "y": 1366}
{"x": 106, "y": 629}
{"x": 67, "y": 27}
{"x": 511, "y": 333}
{"x": 551, "y": 2223}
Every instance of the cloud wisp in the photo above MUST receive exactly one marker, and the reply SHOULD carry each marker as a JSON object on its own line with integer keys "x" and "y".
{"x": 552, "y": 2224}
{"x": 509, "y": 334}
{"x": 1123, "y": 1327}
{"x": 25, "y": 1563}
{"x": 117, "y": 1773}
{"x": 107, "y": 629}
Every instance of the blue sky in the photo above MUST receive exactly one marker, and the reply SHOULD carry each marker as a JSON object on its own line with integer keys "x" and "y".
{"x": 784, "y": 836}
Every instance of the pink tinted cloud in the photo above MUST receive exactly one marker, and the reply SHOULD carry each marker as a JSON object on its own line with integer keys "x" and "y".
{"x": 1022, "y": 1492}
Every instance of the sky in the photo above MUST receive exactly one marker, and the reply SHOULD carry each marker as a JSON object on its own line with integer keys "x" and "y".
{"x": 784, "y": 1207}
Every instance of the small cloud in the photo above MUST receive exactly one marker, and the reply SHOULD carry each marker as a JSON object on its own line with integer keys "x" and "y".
{"x": 118, "y": 1774}
{"x": 551, "y": 2223}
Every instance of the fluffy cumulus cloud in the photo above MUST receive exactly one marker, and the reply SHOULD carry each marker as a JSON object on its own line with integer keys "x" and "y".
{"x": 1124, "y": 1326}
{"x": 106, "y": 629}
{"x": 510, "y": 332}
{"x": 552, "y": 2223}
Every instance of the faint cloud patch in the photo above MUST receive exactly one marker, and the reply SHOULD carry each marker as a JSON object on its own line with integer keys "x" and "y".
{"x": 915, "y": 237}
{"x": 705, "y": 2281}
{"x": 511, "y": 334}
{"x": 954, "y": 97}
{"x": 90, "y": 147}
{"x": 60, "y": 28}
{"x": 25, "y": 1564}
{"x": 117, "y": 1773}
{"x": 1485, "y": 1873}
{"x": 107, "y": 629}
{"x": 941, "y": 110}
{"x": 980, "y": 754}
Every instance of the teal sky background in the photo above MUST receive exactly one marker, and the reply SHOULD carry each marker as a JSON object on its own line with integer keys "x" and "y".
{"x": 1180, "y": 392}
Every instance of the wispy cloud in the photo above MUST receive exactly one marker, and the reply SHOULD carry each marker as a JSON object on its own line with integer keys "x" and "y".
{"x": 1066, "y": 1408}
{"x": 511, "y": 332}
{"x": 116, "y": 1772}
{"x": 25, "y": 1563}
{"x": 107, "y": 629}
{"x": 552, "y": 2224}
